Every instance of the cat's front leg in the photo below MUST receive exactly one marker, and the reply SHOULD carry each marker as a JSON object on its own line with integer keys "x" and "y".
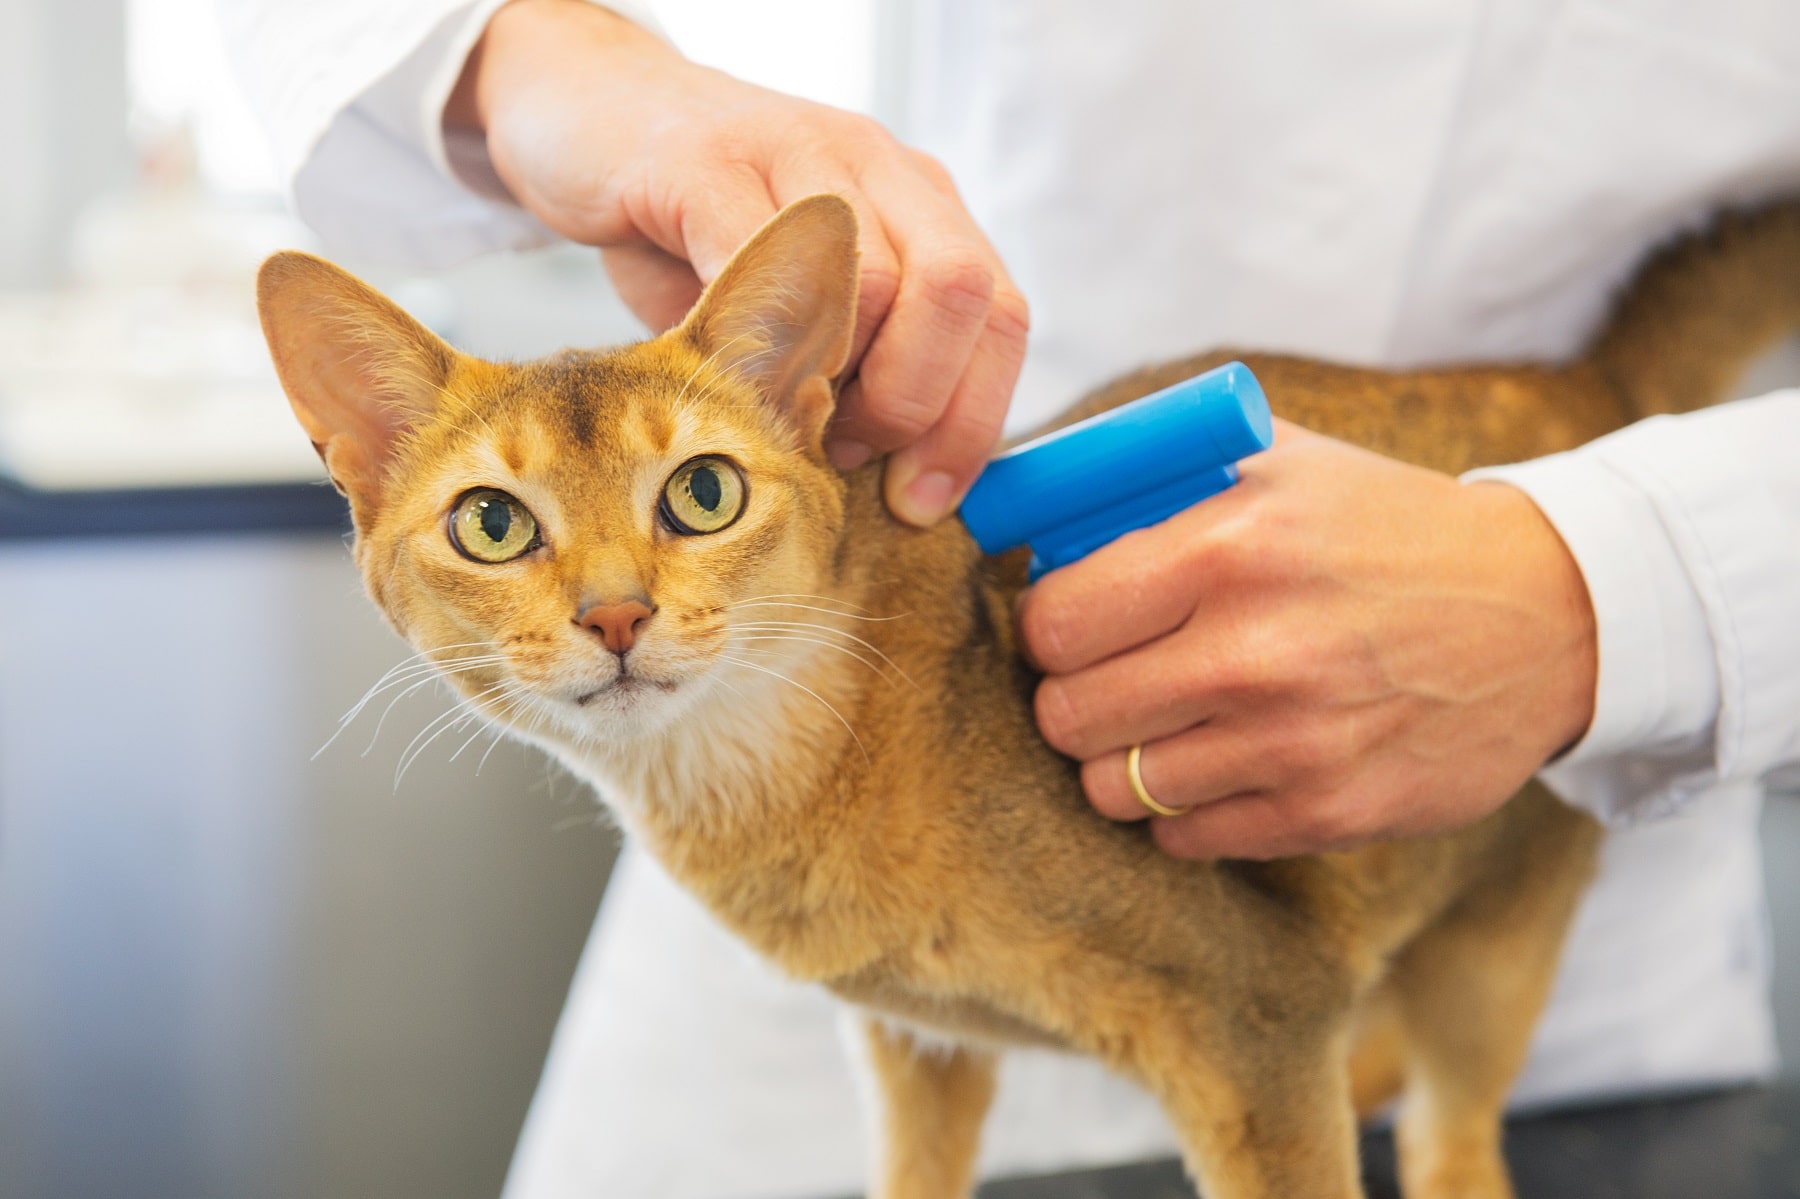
{"x": 1258, "y": 1117}
{"x": 933, "y": 1099}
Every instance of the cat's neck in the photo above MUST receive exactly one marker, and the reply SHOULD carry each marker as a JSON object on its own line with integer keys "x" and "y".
{"x": 728, "y": 799}
{"x": 760, "y": 739}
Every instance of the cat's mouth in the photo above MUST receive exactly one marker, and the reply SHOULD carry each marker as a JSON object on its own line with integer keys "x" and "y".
{"x": 624, "y": 685}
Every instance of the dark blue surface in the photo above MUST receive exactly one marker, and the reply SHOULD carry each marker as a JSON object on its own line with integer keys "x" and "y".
{"x": 28, "y": 515}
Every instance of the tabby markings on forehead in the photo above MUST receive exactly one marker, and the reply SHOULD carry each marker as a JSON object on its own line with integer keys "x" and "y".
{"x": 590, "y": 390}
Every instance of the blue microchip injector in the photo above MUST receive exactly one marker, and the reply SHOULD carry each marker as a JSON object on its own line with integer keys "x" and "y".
{"x": 1070, "y": 492}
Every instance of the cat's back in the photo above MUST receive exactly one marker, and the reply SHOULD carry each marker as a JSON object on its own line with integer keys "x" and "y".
{"x": 1450, "y": 420}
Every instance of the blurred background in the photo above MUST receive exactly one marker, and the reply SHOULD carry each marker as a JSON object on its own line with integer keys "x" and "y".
{"x": 233, "y": 962}
{"x": 238, "y": 956}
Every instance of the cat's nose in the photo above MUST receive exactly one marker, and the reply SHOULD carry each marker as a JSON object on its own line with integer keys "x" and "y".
{"x": 617, "y": 623}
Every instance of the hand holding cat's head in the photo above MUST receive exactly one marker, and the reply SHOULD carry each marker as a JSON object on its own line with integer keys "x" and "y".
{"x": 582, "y": 541}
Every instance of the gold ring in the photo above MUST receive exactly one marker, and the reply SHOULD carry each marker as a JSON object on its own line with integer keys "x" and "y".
{"x": 1135, "y": 773}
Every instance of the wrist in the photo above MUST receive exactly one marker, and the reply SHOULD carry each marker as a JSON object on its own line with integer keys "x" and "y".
{"x": 522, "y": 45}
{"x": 1541, "y": 574}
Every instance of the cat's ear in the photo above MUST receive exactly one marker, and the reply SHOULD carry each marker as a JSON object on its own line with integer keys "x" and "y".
{"x": 356, "y": 368}
{"x": 782, "y": 314}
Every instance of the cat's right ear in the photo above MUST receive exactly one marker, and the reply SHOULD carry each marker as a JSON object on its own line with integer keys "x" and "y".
{"x": 781, "y": 316}
{"x": 357, "y": 370}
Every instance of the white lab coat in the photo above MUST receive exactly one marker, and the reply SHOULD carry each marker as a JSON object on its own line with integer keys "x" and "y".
{"x": 1393, "y": 184}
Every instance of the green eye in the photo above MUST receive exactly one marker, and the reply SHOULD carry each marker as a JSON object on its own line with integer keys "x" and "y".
{"x": 704, "y": 496}
{"x": 491, "y": 526}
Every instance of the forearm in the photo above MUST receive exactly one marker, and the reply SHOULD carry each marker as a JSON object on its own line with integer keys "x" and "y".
{"x": 525, "y": 39}
{"x": 568, "y": 97}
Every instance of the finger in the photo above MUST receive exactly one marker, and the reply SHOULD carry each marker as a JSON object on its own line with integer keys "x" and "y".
{"x": 929, "y": 477}
{"x": 923, "y": 346}
{"x": 1126, "y": 593}
{"x": 707, "y": 224}
{"x": 1153, "y": 691}
{"x": 878, "y": 284}
{"x": 1254, "y": 826}
{"x": 847, "y": 444}
{"x": 878, "y": 266}
{"x": 1272, "y": 824}
{"x": 949, "y": 277}
{"x": 658, "y": 287}
{"x": 1189, "y": 770}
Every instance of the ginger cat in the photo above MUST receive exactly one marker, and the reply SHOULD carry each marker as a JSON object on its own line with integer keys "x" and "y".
{"x": 815, "y": 716}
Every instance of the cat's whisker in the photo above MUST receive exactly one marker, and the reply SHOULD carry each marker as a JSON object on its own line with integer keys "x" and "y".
{"x": 480, "y": 729}
{"x": 775, "y": 674}
{"x": 842, "y": 649}
{"x": 440, "y": 724}
{"x": 391, "y": 679}
{"x": 399, "y": 676}
{"x": 381, "y": 721}
{"x": 504, "y": 701}
{"x": 830, "y": 599}
{"x": 425, "y": 654}
{"x": 742, "y": 642}
{"x": 422, "y": 677}
{"x": 517, "y": 700}
{"x": 418, "y": 678}
{"x": 813, "y": 608}
{"x": 464, "y": 709}
{"x": 499, "y": 736}
{"x": 412, "y": 667}
{"x": 768, "y": 625}
{"x": 727, "y": 684}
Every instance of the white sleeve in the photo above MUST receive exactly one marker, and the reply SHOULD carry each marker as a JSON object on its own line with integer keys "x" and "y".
{"x": 351, "y": 95}
{"x": 1687, "y": 532}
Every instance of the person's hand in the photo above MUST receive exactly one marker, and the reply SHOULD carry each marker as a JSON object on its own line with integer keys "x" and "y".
{"x": 1341, "y": 648}
{"x": 613, "y": 139}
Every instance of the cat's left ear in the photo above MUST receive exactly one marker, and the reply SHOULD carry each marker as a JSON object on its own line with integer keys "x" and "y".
{"x": 782, "y": 314}
{"x": 356, "y": 368}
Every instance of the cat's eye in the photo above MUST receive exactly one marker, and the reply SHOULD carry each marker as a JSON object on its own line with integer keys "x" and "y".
{"x": 703, "y": 496}
{"x": 491, "y": 526}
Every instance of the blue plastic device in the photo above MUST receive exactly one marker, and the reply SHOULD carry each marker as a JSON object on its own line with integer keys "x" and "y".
{"x": 1070, "y": 492}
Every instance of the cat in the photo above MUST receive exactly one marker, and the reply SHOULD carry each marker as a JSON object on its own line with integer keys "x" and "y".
{"x": 817, "y": 717}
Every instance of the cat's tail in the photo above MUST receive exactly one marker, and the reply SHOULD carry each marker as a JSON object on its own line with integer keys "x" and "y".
{"x": 1703, "y": 309}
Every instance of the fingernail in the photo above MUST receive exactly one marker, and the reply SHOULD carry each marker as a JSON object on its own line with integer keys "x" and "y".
{"x": 846, "y": 454}
{"x": 927, "y": 497}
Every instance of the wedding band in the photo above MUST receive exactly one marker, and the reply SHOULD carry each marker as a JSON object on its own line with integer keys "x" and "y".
{"x": 1135, "y": 774}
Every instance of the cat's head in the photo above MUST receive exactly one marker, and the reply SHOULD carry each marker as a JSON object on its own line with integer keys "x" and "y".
{"x": 580, "y": 541}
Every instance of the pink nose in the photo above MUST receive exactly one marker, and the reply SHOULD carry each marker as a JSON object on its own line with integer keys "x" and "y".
{"x": 617, "y": 623}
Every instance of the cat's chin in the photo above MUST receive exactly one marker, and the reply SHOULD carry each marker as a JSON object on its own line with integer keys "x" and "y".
{"x": 624, "y": 691}
{"x": 624, "y": 709}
